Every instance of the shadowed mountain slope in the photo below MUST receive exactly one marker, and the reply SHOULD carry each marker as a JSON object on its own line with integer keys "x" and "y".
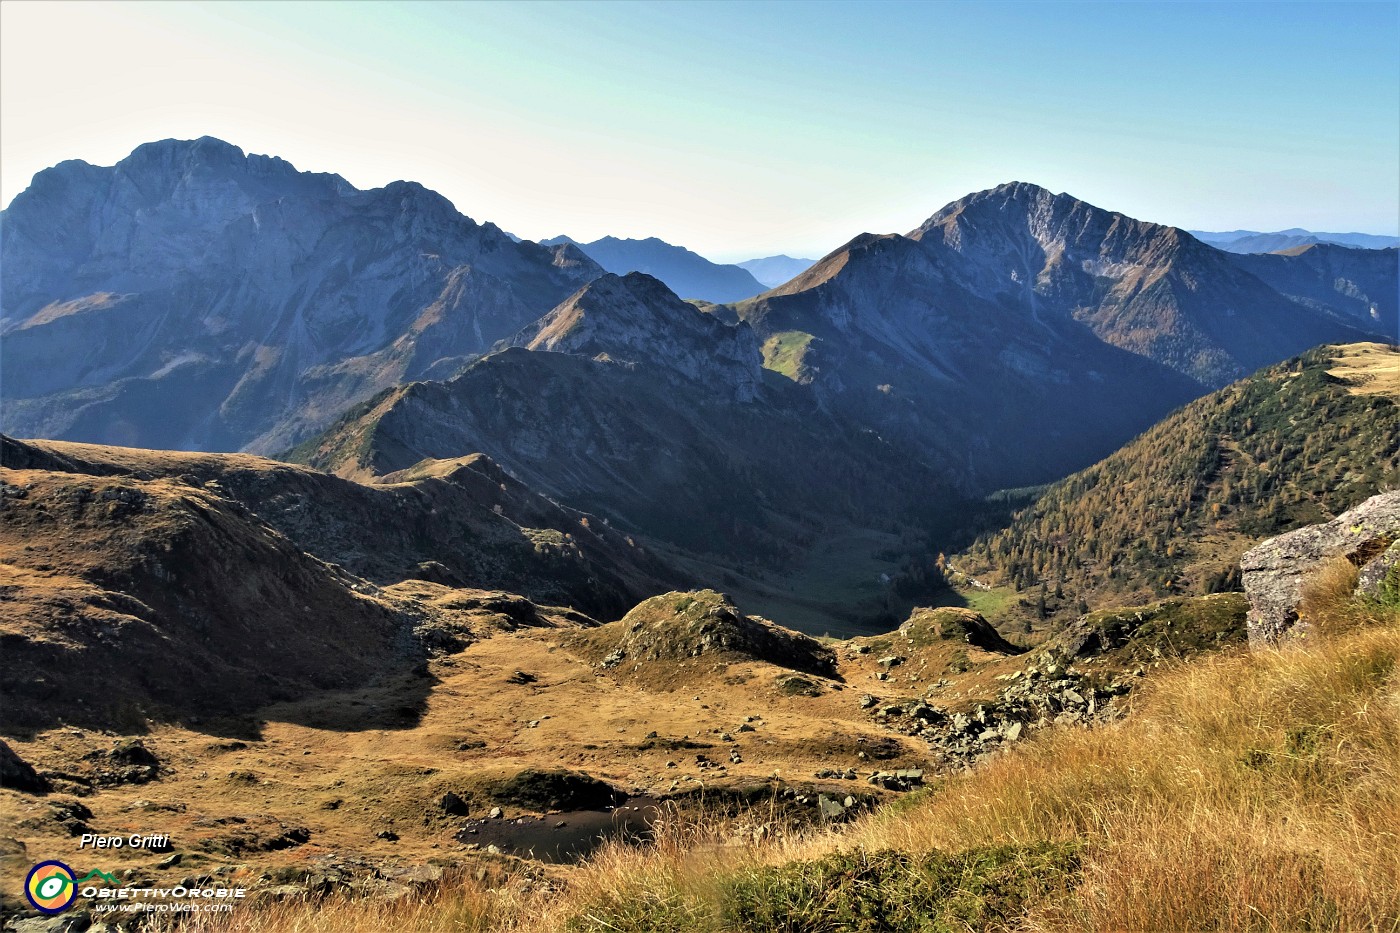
{"x": 177, "y": 586}
{"x": 657, "y": 417}
{"x": 1360, "y": 283}
{"x": 459, "y": 522}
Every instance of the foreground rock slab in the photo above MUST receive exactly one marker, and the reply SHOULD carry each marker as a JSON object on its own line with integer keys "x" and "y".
{"x": 1275, "y": 572}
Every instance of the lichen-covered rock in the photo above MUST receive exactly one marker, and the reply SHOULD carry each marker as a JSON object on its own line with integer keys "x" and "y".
{"x": 1380, "y": 576}
{"x": 1177, "y": 627}
{"x": 1275, "y": 572}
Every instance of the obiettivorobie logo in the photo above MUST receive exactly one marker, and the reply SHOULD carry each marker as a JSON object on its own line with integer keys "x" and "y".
{"x": 52, "y": 887}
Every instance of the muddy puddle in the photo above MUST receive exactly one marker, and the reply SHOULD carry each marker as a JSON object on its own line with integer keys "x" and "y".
{"x": 567, "y": 836}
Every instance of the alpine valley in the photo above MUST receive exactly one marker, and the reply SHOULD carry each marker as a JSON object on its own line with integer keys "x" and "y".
{"x": 392, "y": 560}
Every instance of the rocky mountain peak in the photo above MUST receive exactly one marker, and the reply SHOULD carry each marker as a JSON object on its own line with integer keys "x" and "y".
{"x": 217, "y": 281}
{"x": 637, "y": 319}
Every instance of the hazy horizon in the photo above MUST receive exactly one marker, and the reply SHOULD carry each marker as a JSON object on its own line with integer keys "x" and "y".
{"x": 742, "y": 131}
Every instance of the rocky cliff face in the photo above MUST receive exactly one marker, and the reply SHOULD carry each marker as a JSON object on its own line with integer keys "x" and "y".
{"x": 1153, "y": 290}
{"x": 192, "y": 296}
{"x": 1358, "y": 283}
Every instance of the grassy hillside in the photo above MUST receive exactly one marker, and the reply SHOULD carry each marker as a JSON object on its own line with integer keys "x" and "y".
{"x": 1244, "y": 791}
{"x": 1173, "y": 510}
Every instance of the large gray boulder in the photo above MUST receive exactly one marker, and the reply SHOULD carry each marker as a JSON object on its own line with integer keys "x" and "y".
{"x": 1275, "y": 572}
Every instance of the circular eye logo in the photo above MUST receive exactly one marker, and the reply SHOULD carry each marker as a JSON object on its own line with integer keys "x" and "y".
{"x": 50, "y": 887}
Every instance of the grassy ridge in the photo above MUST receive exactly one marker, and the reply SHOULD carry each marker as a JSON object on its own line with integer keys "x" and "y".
{"x": 1246, "y": 791}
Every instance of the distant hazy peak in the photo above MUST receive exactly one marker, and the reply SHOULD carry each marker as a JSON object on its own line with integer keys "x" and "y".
{"x": 684, "y": 271}
{"x": 772, "y": 271}
{"x": 1253, "y": 241}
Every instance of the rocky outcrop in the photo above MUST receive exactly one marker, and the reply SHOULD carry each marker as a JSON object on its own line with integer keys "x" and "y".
{"x": 1380, "y": 577}
{"x": 952, "y": 624}
{"x": 1276, "y": 572}
{"x": 18, "y": 774}
{"x": 555, "y": 790}
{"x": 1175, "y": 627}
{"x": 1046, "y": 692}
{"x": 679, "y": 627}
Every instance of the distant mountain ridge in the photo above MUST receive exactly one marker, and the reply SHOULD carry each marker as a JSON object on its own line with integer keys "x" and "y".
{"x": 1253, "y": 241}
{"x": 686, "y": 273}
{"x": 196, "y": 297}
{"x": 773, "y": 271}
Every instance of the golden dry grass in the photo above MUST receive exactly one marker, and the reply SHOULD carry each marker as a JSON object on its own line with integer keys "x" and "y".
{"x": 1369, "y": 369}
{"x": 1247, "y": 791}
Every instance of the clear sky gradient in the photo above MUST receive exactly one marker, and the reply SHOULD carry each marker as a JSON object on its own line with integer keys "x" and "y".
{"x": 742, "y": 129}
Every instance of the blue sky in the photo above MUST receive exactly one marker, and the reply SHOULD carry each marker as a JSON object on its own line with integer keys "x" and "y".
{"x": 742, "y": 129}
